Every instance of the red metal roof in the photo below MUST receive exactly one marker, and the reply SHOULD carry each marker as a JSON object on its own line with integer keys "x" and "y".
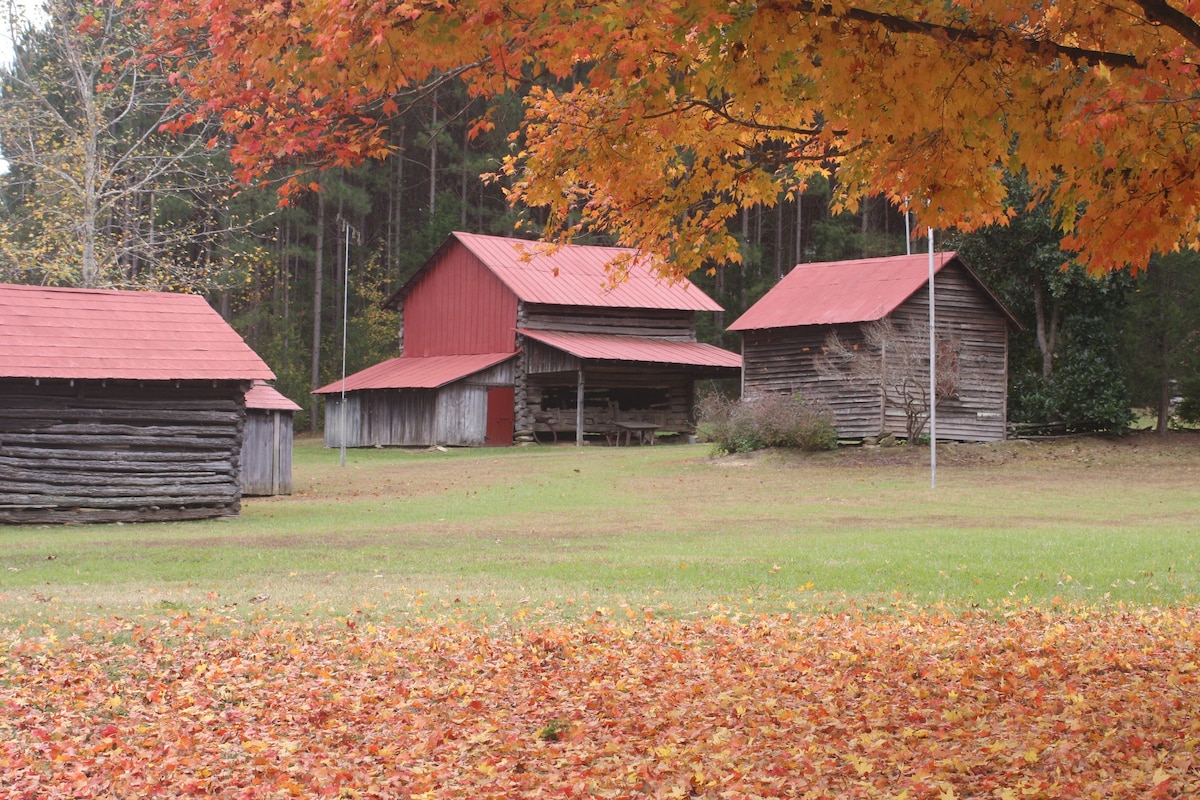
{"x": 578, "y": 275}
{"x": 835, "y": 292}
{"x": 428, "y": 372}
{"x": 265, "y": 397}
{"x": 119, "y": 335}
{"x": 635, "y": 348}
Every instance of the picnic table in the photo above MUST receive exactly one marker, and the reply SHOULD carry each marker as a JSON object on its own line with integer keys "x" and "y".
{"x": 643, "y": 430}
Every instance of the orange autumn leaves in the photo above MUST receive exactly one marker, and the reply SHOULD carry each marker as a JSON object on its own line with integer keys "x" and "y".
{"x": 1027, "y": 704}
{"x": 660, "y": 121}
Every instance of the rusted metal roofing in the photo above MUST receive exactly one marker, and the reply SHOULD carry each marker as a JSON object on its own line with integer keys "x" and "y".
{"x": 119, "y": 335}
{"x": 428, "y": 372}
{"x": 836, "y": 292}
{"x": 574, "y": 275}
{"x": 603, "y": 347}
{"x": 265, "y": 397}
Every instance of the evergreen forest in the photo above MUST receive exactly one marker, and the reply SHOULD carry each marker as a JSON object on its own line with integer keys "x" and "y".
{"x": 98, "y": 190}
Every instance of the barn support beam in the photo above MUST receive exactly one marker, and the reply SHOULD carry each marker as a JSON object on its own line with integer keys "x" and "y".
{"x": 579, "y": 400}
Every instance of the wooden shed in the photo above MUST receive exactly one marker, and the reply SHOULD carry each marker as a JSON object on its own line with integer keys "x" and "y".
{"x": 505, "y": 338}
{"x": 785, "y": 334}
{"x": 119, "y": 406}
{"x": 267, "y": 441}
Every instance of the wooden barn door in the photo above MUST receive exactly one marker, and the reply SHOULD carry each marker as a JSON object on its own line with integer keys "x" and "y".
{"x": 500, "y": 416}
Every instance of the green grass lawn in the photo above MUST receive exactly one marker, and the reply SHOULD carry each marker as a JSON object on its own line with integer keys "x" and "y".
{"x": 557, "y": 530}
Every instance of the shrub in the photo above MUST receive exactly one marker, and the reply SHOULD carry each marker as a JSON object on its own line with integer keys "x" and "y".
{"x": 767, "y": 419}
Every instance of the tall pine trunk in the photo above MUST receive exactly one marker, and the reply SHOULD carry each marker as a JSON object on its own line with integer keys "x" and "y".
{"x": 318, "y": 279}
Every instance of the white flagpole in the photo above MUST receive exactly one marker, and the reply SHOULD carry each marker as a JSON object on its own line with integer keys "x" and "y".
{"x": 932, "y": 377}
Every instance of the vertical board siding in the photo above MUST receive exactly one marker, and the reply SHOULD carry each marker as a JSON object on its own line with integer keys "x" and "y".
{"x": 966, "y": 316}
{"x": 459, "y": 307}
{"x": 460, "y": 418}
{"x": 342, "y": 422}
{"x": 451, "y": 415}
{"x": 267, "y": 453}
{"x": 783, "y": 360}
{"x": 119, "y": 451}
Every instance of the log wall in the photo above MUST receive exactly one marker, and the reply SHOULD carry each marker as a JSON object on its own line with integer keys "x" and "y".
{"x": 648, "y": 323}
{"x": 627, "y": 393}
{"x": 119, "y": 451}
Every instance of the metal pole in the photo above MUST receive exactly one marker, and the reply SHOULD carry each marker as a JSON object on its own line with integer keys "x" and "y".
{"x": 907, "y": 232}
{"x": 932, "y": 377}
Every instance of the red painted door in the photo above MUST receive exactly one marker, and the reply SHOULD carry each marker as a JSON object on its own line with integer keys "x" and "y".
{"x": 500, "y": 417}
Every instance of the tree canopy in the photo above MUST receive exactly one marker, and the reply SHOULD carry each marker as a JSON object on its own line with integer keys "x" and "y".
{"x": 658, "y": 121}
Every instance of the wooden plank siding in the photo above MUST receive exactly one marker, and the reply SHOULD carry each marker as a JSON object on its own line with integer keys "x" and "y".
{"x": 452, "y": 415}
{"x": 119, "y": 451}
{"x": 966, "y": 317}
{"x": 783, "y": 360}
{"x": 267, "y": 453}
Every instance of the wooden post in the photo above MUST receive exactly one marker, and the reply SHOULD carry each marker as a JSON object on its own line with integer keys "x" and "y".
{"x": 579, "y": 410}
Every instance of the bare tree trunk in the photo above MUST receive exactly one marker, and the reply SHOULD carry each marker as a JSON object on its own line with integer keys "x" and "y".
{"x": 1164, "y": 405}
{"x": 396, "y": 213}
{"x": 799, "y": 228}
{"x": 779, "y": 241}
{"x": 1047, "y": 329}
{"x": 746, "y": 244}
{"x": 433, "y": 154}
{"x": 318, "y": 279}
{"x": 463, "y": 176}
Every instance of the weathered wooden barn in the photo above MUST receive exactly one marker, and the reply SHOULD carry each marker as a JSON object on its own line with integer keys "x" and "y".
{"x": 267, "y": 441}
{"x": 119, "y": 406}
{"x": 504, "y": 338}
{"x": 785, "y": 334}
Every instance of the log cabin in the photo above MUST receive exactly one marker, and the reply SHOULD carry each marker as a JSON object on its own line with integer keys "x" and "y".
{"x": 119, "y": 406}
{"x": 785, "y": 335}
{"x": 504, "y": 339}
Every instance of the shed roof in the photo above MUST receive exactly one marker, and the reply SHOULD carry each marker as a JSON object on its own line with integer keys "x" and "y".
{"x": 573, "y": 275}
{"x": 427, "y": 372}
{"x": 265, "y": 397}
{"x": 838, "y": 292}
{"x": 119, "y": 335}
{"x": 606, "y": 347}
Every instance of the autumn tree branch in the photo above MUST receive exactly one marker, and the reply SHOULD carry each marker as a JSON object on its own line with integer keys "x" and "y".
{"x": 992, "y": 35}
{"x": 1161, "y": 12}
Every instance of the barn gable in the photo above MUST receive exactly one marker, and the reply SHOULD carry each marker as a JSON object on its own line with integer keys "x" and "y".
{"x": 119, "y": 406}
{"x": 785, "y": 333}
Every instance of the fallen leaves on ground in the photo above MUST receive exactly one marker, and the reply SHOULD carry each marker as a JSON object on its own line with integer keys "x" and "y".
{"x": 1028, "y": 704}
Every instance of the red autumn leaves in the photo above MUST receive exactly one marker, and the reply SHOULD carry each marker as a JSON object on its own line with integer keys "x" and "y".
{"x": 1071, "y": 704}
